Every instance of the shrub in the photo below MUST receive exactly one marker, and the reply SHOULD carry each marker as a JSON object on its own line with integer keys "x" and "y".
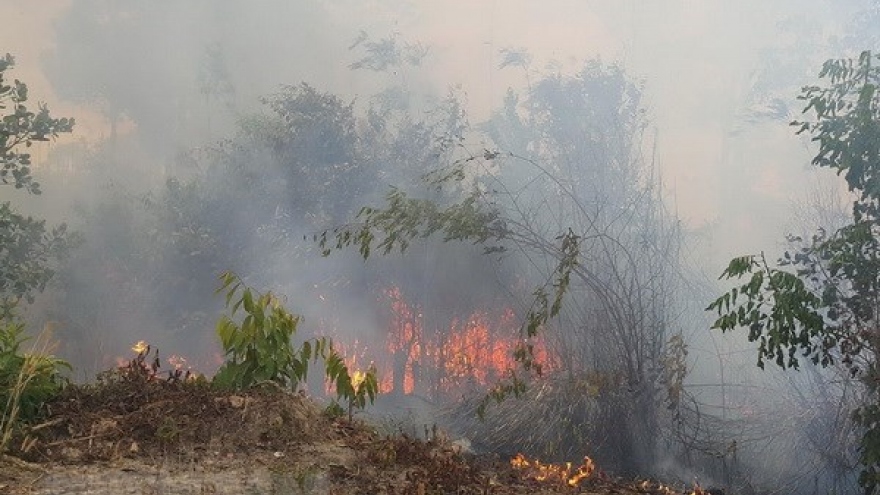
{"x": 259, "y": 348}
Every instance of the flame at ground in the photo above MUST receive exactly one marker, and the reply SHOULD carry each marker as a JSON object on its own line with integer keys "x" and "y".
{"x": 472, "y": 351}
{"x": 432, "y": 358}
{"x": 660, "y": 489}
{"x": 179, "y": 364}
{"x": 562, "y": 473}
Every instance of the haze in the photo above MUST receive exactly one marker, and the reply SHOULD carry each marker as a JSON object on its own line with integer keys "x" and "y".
{"x": 719, "y": 80}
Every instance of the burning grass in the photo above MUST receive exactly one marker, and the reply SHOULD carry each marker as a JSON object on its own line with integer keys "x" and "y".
{"x": 565, "y": 474}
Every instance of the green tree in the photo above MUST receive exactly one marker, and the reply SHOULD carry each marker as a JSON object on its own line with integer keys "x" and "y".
{"x": 28, "y": 249}
{"x": 821, "y": 299}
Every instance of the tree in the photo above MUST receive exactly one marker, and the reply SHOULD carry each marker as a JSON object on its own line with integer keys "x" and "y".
{"x": 27, "y": 249}
{"x": 580, "y": 164}
{"x": 821, "y": 300}
{"x": 574, "y": 208}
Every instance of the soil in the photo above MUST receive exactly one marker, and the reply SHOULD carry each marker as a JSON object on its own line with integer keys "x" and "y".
{"x": 146, "y": 436}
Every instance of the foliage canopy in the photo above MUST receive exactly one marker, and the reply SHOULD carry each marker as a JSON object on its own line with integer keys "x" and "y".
{"x": 27, "y": 248}
{"x": 20, "y": 128}
{"x": 822, "y": 299}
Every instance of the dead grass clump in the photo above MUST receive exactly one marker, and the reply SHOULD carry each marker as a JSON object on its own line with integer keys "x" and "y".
{"x": 402, "y": 464}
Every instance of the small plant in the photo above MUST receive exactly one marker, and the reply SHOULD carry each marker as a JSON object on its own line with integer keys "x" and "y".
{"x": 354, "y": 389}
{"x": 27, "y": 380}
{"x": 259, "y": 348}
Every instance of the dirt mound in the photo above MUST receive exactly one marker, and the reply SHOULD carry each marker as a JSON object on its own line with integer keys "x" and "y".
{"x": 188, "y": 420}
{"x": 180, "y": 436}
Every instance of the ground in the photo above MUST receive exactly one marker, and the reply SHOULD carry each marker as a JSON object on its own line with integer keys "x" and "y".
{"x": 146, "y": 436}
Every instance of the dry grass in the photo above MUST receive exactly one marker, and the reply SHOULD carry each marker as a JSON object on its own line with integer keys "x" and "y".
{"x": 43, "y": 347}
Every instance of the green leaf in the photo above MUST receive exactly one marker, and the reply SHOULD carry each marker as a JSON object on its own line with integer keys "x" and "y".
{"x": 248, "y": 300}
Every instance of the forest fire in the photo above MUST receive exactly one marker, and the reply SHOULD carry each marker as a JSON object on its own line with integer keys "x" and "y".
{"x": 566, "y": 474}
{"x": 461, "y": 354}
{"x": 465, "y": 353}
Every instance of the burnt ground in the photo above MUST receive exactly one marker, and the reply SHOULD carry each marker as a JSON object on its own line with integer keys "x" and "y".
{"x": 182, "y": 437}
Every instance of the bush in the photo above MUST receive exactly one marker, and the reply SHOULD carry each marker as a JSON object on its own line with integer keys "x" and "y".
{"x": 259, "y": 348}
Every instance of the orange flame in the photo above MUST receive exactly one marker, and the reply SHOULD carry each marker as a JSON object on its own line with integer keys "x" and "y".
{"x": 698, "y": 490}
{"x": 475, "y": 350}
{"x": 404, "y": 341}
{"x": 565, "y": 474}
{"x": 472, "y": 351}
{"x": 355, "y": 357}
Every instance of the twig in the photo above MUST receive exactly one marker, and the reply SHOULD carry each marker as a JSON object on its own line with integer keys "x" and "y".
{"x": 38, "y": 478}
{"x": 70, "y": 440}
{"x": 47, "y": 424}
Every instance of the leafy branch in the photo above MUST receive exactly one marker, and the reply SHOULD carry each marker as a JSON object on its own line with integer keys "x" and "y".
{"x": 259, "y": 348}
{"x": 404, "y": 219}
{"x": 781, "y": 313}
{"x": 22, "y": 127}
{"x": 827, "y": 306}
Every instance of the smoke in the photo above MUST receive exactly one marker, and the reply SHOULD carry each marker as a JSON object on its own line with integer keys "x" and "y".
{"x": 183, "y": 166}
